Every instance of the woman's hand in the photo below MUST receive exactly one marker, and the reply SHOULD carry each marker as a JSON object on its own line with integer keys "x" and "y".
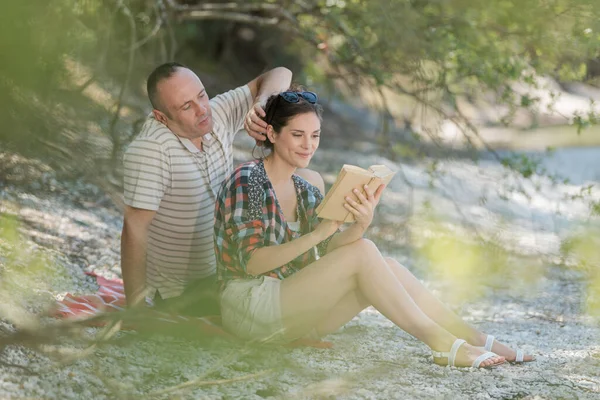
{"x": 364, "y": 209}
{"x": 326, "y": 228}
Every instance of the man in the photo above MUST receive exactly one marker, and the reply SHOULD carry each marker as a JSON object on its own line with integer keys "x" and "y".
{"x": 173, "y": 171}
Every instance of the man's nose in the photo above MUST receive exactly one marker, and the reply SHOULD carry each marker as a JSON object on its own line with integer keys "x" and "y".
{"x": 200, "y": 108}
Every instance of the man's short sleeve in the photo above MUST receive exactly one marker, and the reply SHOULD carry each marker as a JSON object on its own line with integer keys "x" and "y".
{"x": 146, "y": 174}
{"x": 229, "y": 110}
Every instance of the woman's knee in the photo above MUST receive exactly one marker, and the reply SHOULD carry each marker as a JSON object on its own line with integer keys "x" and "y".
{"x": 362, "y": 248}
{"x": 394, "y": 262}
{"x": 396, "y": 266}
{"x": 362, "y": 254}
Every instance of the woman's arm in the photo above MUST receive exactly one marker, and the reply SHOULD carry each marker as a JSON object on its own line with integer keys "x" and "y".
{"x": 363, "y": 213}
{"x": 238, "y": 226}
{"x": 265, "y": 259}
{"x": 347, "y": 236}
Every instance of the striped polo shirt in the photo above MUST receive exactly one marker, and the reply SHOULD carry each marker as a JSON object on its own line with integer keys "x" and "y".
{"x": 170, "y": 175}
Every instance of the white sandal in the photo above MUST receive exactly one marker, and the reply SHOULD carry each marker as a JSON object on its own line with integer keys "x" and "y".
{"x": 451, "y": 356}
{"x": 519, "y": 359}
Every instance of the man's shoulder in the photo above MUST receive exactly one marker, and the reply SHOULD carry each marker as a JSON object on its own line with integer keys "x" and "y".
{"x": 153, "y": 135}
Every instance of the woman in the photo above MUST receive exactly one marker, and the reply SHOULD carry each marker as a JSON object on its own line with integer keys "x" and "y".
{"x": 274, "y": 285}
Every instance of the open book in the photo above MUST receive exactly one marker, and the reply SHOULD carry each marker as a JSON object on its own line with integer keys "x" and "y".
{"x": 351, "y": 177}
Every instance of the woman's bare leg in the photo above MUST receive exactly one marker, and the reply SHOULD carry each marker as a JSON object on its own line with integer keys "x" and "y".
{"x": 432, "y": 306}
{"x": 342, "y": 313}
{"x": 437, "y": 311}
{"x": 309, "y": 295}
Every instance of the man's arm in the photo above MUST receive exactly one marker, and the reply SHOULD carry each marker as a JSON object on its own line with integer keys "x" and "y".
{"x": 274, "y": 81}
{"x": 133, "y": 253}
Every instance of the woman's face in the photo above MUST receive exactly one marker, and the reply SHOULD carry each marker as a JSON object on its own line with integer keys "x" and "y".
{"x": 298, "y": 140}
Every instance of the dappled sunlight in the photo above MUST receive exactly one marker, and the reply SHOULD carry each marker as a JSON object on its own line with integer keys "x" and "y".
{"x": 493, "y": 234}
{"x": 80, "y": 75}
{"x": 44, "y": 221}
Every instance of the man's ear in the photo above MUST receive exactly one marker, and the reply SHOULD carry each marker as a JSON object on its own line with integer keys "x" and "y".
{"x": 160, "y": 116}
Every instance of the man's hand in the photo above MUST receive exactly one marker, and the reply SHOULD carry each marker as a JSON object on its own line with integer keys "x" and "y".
{"x": 274, "y": 81}
{"x": 255, "y": 125}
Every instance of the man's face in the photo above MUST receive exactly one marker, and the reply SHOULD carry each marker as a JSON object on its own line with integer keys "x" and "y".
{"x": 184, "y": 98}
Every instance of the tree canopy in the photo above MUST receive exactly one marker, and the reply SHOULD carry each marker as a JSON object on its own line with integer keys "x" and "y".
{"x": 428, "y": 53}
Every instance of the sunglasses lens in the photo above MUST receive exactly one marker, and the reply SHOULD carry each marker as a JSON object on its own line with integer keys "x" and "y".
{"x": 290, "y": 97}
{"x": 310, "y": 97}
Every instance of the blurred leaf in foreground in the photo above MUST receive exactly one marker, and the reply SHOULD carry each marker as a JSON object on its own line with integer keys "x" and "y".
{"x": 584, "y": 248}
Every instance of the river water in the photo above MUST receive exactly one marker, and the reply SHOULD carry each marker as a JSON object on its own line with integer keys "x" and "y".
{"x": 581, "y": 165}
{"x": 532, "y": 216}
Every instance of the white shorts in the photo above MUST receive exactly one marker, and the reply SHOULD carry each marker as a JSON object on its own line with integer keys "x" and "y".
{"x": 251, "y": 309}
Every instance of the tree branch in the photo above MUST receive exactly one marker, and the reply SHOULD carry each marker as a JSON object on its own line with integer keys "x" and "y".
{"x": 231, "y": 6}
{"x": 155, "y": 30}
{"x": 199, "y": 383}
{"x": 113, "y": 123}
{"x": 227, "y": 16}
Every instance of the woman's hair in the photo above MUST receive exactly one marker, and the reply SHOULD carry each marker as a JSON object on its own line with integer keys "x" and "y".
{"x": 283, "y": 111}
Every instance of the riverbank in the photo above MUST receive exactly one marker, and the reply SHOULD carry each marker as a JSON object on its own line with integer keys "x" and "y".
{"x": 76, "y": 227}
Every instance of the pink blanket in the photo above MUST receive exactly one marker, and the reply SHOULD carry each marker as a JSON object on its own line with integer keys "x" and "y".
{"x": 111, "y": 297}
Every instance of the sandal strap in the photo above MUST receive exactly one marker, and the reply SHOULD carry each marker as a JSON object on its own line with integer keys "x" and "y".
{"x": 482, "y": 358}
{"x": 489, "y": 342}
{"x": 520, "y": 356}
{"x": 457, "y": 343}
{"x": 450, "y": 355}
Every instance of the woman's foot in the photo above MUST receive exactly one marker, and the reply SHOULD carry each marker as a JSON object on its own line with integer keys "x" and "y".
{"x": 501, "y": 349}
{"x": 466, "y": 355}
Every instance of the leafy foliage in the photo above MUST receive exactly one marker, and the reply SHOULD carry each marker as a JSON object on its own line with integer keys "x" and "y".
{"x": 432, "y": 52}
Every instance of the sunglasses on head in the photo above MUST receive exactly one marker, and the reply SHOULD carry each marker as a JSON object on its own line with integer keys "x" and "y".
{"x": 291, "y": 97}
{"x": 294, "y": 97}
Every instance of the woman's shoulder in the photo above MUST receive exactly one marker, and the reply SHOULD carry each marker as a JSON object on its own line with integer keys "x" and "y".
{"x": 246, "y": 166}
{"x": 312, "y": 181}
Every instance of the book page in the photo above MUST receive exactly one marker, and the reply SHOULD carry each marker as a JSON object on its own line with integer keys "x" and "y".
{"x": 382, "y": 172}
